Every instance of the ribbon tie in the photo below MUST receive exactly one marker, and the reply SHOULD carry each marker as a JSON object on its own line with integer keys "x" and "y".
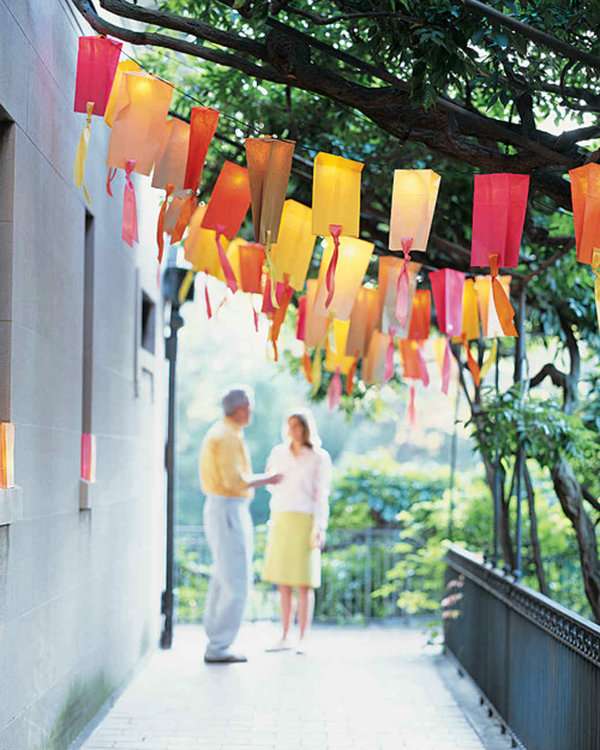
{"x": 403, "y": 285}
{"x": 81, "y": 153}
{"x": 336, "y": 231}
{"x": 389, "y": 357}
{"x": 160, "y": 226}
{"x": 129, "y": 228}
{"x": 504, "y": 309}
{"x": 334, "y": 392}
{"x": 110, "y": 176}
{"x": 230, "y": 279}
{"x": 471, "y": 362}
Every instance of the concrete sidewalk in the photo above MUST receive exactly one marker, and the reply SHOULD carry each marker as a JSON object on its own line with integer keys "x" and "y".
{"x": 357, "y": 689}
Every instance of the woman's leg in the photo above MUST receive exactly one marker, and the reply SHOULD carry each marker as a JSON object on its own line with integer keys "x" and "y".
{"x": 306, "y": 602}
{"x": 285, "y": 596}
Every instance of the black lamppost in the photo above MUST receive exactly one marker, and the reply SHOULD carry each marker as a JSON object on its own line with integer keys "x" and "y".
{"x": 171, "y": 284}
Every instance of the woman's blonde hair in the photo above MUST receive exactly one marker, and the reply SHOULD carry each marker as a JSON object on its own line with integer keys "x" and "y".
{"x": 311, "y": 437}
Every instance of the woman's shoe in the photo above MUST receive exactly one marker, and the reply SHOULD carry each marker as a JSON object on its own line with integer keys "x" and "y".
{"x": 301, "y": 648}
{"x": 284, "y": 644}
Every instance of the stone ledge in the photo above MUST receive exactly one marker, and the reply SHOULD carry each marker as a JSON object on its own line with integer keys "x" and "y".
{"x": 11, "y": 505}
{"x": 86, "y": 494}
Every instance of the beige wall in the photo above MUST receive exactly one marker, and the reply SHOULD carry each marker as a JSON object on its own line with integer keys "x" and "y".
{"x": 79, "y": 589}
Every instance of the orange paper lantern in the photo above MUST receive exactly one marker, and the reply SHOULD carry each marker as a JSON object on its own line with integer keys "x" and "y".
{"x": 251, "y": 261}
{"x": 203, "y": 125}
{"x": 420, "y": 318}
{"x": 171, "y": 159}
{"x": 374, "y": 364}
{"x": 363, "y": 321}
{"x": 140, "y": 122}
{"x": 316, "y": 322}
{"x": 585, "y": 196}
{"x": 269, "y": 166}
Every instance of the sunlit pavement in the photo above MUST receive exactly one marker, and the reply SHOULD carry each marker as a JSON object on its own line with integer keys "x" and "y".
{"x": 371, "y": 689}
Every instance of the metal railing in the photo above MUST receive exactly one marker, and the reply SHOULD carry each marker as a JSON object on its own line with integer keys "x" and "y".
{"x": 536, "y": 662}
{"x": 355, "y": 564}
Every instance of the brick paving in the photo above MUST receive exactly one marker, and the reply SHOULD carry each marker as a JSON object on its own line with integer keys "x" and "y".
{"x": 356, "y": 689}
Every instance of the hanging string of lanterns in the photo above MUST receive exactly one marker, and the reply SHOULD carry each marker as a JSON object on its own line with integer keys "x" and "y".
{"x": 343, "y": 323}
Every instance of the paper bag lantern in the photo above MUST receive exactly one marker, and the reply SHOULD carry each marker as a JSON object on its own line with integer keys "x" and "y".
{"x": 97, "y": 60}
{"x": 139, "y": 125}
{"x": 490, "y": 323}
{"x": 292, "y": 252}
{"x": 7, "y": 455}
{"x": 390, "y": 273}
{"x": 269, "y": 166}
{"x": 447, "y": 287}
{"x": 251, "y": 259}
{"x": 226, "y": 210}
{"x": 363, "y": 321}
{"x": 203, "y": 125}
{"x": 88, "y": 457}
{"x": 354, "y": 257}
{"x": 174, "y": 209}
{"x": 585, "y": 197}
{"x": 336, "y": 206}
{"x": 200, "y": 248}
{"x": 414, "y": 196}
{"x": 336, "y": 357}
{"x": 414, "y": 366}
{"x": 116, "y": 93}
{"x": 316, "y": 322}
{"x": 470, "y": 318}
{"x": 171, "y": 159}
{"x": 499, "y": 206}
{"x": 374, "y": 364}
{"x": 420, "y": 317}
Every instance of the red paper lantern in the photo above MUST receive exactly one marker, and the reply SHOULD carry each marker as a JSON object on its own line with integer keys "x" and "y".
{"x": 420, "y": 318}
{"x": 97, "y": 60}
{"x": 203, "y": 124}
{"x": 499, "y": 206}
{"x": 447, "y": 287}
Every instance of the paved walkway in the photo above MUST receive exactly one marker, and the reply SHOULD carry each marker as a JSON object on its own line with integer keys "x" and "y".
{"x": 356, "y": 689}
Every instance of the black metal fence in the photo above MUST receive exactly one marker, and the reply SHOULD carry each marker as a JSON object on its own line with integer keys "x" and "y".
{"x": 536, "y": 662}
{"x": 355, "y": 564}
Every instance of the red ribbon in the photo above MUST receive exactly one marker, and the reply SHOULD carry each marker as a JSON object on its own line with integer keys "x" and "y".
{"x": 207, "y": 297}
{"x": 129, "y": 228}
{"x": 423, "y": 372}
{"x": 402, "y": 286}
{"x": 225, "y": 264}
{"x": 160, "y": 226}
{"x": 411, "y": 411}
{"x": 389, "y": 357}
{"x": 334, "y": 392}
{"x": 301, "y": 324}
{"x": 336, "y": 231}
{"x": 110, "y": 176}
{"x": 471, "y": 362}
{"x": 446, "y": 362}
{"x": 307, "y": 366}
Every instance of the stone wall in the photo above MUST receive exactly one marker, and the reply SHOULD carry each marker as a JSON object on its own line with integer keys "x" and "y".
{"x": 79, "y": 589}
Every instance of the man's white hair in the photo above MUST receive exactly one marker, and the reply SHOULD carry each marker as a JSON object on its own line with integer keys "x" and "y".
{"x": 234, "y": 398}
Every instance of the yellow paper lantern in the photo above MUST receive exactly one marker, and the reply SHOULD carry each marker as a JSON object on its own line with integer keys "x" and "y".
{"x": 115, "y": 100}
{"x": 390, "y": 269}
{"x": 488, "y": 316}
{"x": 336, "y": 358}
{"x": 363, "y": 321}
{"x": 140, "y": 122}
{"x": 200, "y": 247}
{"x": 316, "y": 323}
{"x": 292, "y": 252}
{"x": 336, "y": 195}
{"x": 470, "y": 319}
{"x": 171, "y": 159}
{"x": 373, "y": 369}
{"x": 414, "y": 197}
{"x": 354, "y": 260}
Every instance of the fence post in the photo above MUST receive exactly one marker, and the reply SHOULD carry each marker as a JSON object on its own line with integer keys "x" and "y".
{"x": 520, "y": 457}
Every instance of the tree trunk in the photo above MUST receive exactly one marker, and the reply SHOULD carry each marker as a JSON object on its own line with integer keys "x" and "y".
{"x": 569, "y": 493}
{"x": 536, "y": 549}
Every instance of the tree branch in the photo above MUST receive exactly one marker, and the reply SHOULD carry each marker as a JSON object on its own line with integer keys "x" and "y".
{"x": 535, "y": 35}
{"x": 549, "y": 370}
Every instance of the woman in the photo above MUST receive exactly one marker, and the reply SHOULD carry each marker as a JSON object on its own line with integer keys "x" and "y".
{"x": 299, "y": 514}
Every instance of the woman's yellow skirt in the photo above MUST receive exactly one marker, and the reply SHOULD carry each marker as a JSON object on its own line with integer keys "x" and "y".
{"x": 291, "y": 559}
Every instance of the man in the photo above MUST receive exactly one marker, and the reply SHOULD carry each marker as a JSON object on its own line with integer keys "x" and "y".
{"x": 227, "y": 481}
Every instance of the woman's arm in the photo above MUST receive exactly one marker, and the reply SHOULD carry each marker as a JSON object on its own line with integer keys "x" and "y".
{"x": 323, "y": 489}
